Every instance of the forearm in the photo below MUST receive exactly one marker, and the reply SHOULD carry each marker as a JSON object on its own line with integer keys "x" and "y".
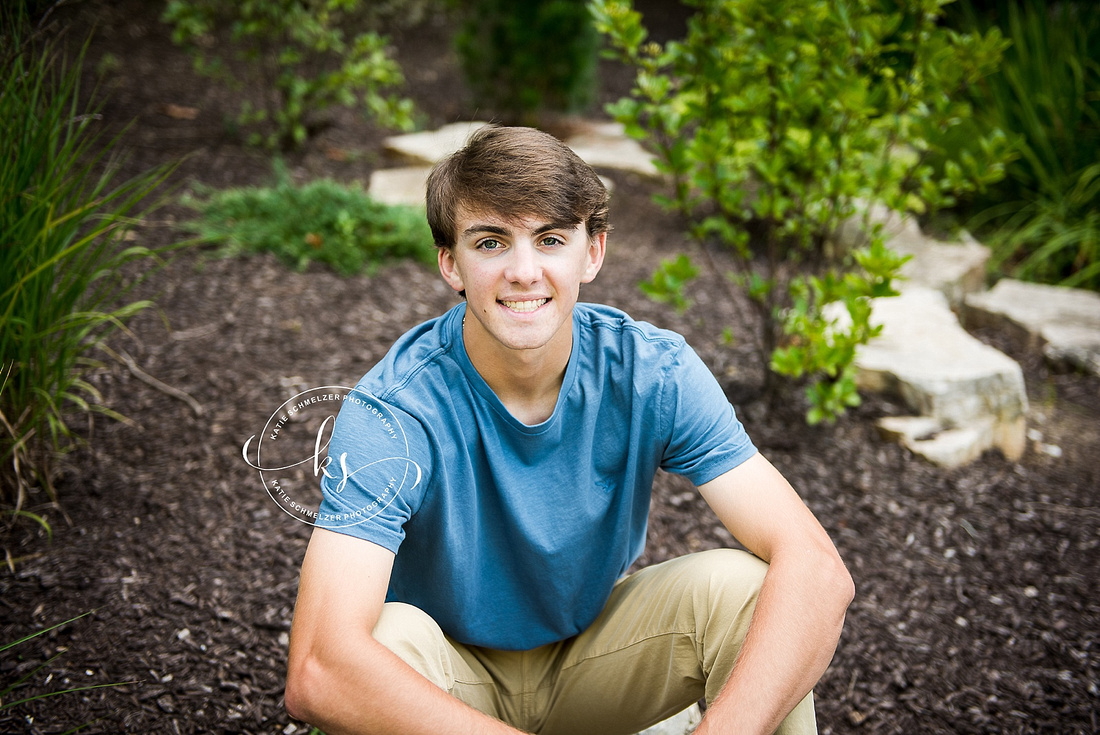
{"x": 365, "y": 688}
{"x": 342, "y": 680}
{"x": 795, "y": 627}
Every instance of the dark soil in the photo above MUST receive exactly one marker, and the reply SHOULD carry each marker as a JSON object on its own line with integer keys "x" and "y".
{"x": 977, "y": 607}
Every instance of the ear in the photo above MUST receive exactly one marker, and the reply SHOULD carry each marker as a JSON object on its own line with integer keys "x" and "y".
{"x": 448, "y": 268}
{"x": 597, "y": 248}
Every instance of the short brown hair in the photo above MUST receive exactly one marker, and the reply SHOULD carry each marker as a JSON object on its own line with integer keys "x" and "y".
{"x": 514, "y": 173}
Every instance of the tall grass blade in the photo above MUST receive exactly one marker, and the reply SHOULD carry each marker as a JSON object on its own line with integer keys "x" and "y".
{"x": 9, "y": 688}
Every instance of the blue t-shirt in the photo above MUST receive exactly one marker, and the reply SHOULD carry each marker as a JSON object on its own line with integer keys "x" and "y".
{"x": 511, "y": 536}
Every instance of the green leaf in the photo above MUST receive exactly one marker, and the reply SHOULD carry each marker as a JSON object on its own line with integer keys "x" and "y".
{"x": 669, "y": 280}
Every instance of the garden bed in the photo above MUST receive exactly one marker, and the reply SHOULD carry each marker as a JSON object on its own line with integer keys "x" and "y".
{"x": 976, "y": 607}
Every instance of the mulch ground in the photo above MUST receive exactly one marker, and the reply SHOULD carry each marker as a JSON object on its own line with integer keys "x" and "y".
{"x": 977, "y": 604}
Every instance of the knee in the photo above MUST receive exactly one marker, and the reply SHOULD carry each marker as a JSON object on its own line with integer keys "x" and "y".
{"x": 416, "y": 639}
{"x": 400, "y": 620}
{"x": 725, "y": 585}
{"x": 720, "y": 591}
{"x": 725, "y": 574}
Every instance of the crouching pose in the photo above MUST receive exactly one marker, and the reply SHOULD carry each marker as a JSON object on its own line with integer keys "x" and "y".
{"x": 488, "y": 590}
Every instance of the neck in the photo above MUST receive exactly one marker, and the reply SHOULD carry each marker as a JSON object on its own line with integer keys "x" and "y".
{"x": 527, "y": 382}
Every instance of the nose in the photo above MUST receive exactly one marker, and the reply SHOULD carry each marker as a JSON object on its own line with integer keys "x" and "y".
{"x": 524, "y": 266}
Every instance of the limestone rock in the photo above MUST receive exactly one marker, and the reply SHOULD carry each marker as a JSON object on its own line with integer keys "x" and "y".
{"x": 408, "y": 185}
{"x": 431, "y": 146}
{"x": 602, "y": 145}
{"x": 1063, "y": 322}
{"x": 399, "y": 185}
{"x": 852, "y": 232}
{"x": 953, "y": 268}
{"x": 931, "y": 439}
{"x": 975, "y": 393}
{"x": 969, "y": 396}
{"x": 605, "y": 145}
{"x": 907, "y": 429}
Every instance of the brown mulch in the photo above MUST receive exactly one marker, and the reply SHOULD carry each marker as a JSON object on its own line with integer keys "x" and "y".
{"x": 977, "y": 603}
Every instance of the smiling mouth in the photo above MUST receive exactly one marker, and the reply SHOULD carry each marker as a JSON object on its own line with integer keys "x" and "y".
{"x": 524, "y": 306}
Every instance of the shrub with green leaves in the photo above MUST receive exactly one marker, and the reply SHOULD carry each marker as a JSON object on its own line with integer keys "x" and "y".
{"x": 299, "y": 58}
{"x": 66, "y": 260}
{"x": 1043, "y": 220}
{"x": 668, "y": 282}
{"x": 784, "y": 118}
{"x": 323, "y": 221}
{"x": 522, "y": 57}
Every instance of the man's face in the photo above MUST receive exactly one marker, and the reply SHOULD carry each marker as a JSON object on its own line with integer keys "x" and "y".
{"x": 521, "y": 278}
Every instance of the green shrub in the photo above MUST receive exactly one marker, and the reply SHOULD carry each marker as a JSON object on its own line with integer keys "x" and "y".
{"x": 322, "y": 221}
{"x": 668, "y": 282}
{"x": 784, "y": 118}
{"x": 297, "y": 56}
{"x": 522, "y": 57}
{"x": 1043, "y": 220}
{"x": 65, "y": 227}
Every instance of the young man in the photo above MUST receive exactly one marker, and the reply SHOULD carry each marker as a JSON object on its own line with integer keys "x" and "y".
{"x": 491, "y": 594}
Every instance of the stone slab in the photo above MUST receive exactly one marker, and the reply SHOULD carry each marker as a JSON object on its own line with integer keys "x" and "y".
{"x": 605, "y": 145}
{"x": 399, "y": 185}
{"x": 432, "y": 146}
{"x": 1063, "y": 322}
{"x": 953, "y": 268}
{"x": 926, "y": 358}
{"x": 408, "y": 185}
{"x": 601, "y": 145}
{"x": 852, "y": 232}
{"x": 682, "y": 723}
{"x": 929, "y": 438}
{"x": 953, "y": 447}
{"x": 907, "y": 429}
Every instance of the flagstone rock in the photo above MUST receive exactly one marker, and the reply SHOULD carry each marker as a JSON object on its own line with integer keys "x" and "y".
{"x": 429, "y": 147}
{"x": 408, "y": 186}
{"x": 606, "y": 145}
{"x": 929, "y": 438}
{"x": 852, "y": 232}
{"x": 1063, "y": 322}
{"x": 969, "y": 397}
{"x": 953, "y": 268}
{"x": 601, "y": 145}
{"x": 972, "y": 396}
{"x": 399, "y": 185}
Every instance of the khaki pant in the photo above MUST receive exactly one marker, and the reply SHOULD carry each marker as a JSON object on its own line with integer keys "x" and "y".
{"x": 669, "y": 635}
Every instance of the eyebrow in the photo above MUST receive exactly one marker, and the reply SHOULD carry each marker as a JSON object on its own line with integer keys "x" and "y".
{"x": 498, "y": 230}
